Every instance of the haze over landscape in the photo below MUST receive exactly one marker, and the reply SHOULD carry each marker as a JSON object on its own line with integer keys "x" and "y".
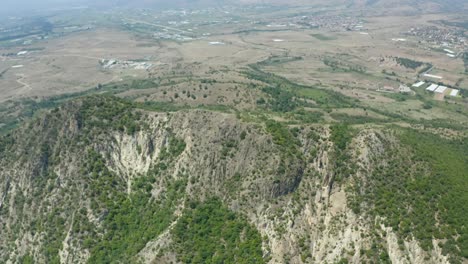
{"x": 222, "y": 131}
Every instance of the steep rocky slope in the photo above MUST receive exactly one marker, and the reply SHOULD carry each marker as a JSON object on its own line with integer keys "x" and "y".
{"x": 98, "y": 180}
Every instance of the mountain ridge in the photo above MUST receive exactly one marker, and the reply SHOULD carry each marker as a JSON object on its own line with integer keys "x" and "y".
{"x": 87, "y": 170}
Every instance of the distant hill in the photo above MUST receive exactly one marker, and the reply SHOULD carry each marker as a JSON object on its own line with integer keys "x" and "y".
{"x": 421, "y": 5}
{"x": 432, "y": 5}
{"x": 22, "y": 6}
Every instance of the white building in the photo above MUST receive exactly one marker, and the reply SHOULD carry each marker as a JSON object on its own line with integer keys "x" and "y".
{"x": 432, "y": 76}
{"x": 404, "y": 89}
{"x": 418, "y": 84}
{"x": 454, "y": 92}
{"x": 432, "y": 87}
{"x": 449, "y": 51}
{"x": 440, "y": 89}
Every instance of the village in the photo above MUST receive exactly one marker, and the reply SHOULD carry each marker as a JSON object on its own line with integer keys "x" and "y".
{"x": 440, "y": 36}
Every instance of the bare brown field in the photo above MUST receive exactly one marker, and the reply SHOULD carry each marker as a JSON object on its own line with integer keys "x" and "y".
{"x": 69, "y": 64}
{"x": 359, "y": 64}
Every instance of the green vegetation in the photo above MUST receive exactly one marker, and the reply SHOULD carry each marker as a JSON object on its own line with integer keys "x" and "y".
{"x": 142, "y": 84}
{"x": 465, "y": 61}
{"x": 341, "y": 136}
{"x": 400, "y": 97}
{"x": 342, "y": 66}
{"x": 303, "y": 116}
{"x": 55, "y": 235}
{"x": 52, "y": 224}
{"x": 283, "y": 137}
{"x": 229, "y": 147}
{"x": 27, "y": 259}
{"x": 6, "y": 141}
{"x": 127, "y": 220}
{"x": 421, "y": 190}
{"x": 408, "y": 63}
{"x": 209, "y": 232}
{"x": 107, "y": 112}
{"x": 175, "y": 148}
{"x": 281, "y": 100}
{"x": 325, "y": 98}
{"x": 377, "y": 252}
{"x": 12, "y": 113}
{"x": 355, "y": 119}
{"x": 131, "y": 220}
{"x": 285, "y": 95}
{"x": 160, "y": 106}
{"x": 278, "y": 60}
{"x": 322, "y": 37}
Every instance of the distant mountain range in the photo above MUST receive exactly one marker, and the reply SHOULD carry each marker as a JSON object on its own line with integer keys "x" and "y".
{"x": 452, "y": 4}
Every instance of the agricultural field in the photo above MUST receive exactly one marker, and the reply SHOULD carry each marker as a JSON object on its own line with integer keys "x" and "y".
{"x": 267, "y": 59}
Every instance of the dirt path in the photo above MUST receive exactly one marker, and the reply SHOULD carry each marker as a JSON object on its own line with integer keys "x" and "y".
{"x": 20, "y": 81}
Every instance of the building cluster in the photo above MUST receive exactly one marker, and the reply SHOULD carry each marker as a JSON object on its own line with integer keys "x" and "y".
{"x": 438, "y": 89}
{"x": 332, "y": 23}
{"x": 171, "y": 36}
{"x": 431, "y": 87}
{"x": 116, "y": 64}
{"x": 440, "y": 36}
{"x": 391, "y": 89}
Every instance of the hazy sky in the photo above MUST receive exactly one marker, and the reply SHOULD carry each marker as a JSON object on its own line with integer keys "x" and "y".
{"x": 18, "y": 6}
{"x": 21, "y": 6}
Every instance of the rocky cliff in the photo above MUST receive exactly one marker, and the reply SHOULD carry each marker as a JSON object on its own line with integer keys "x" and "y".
{"x": 100, "y": 180}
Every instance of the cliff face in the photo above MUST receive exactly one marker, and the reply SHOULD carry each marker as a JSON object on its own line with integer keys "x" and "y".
{"x": 71, "y": 179}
